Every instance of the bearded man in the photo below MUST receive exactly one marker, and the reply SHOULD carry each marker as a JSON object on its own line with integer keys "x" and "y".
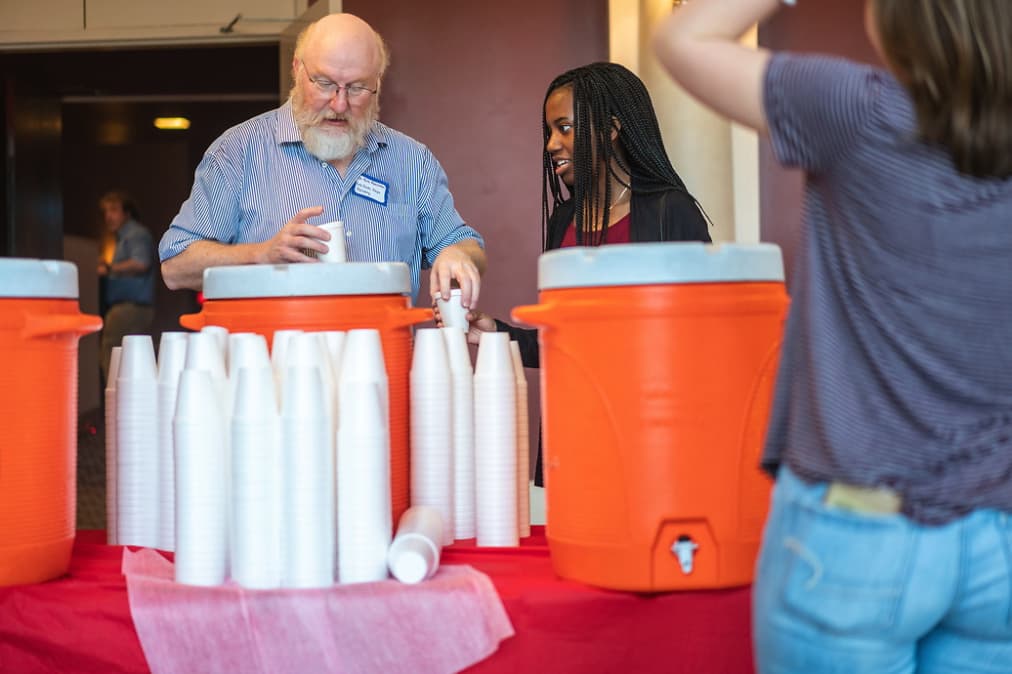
{"x": 320, "y": 157}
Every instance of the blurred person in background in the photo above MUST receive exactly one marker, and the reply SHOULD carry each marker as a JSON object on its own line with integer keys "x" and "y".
{"x": 127, "y": 276}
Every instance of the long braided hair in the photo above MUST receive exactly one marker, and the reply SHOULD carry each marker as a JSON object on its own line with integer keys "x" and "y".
{"x": 603, "y": 92}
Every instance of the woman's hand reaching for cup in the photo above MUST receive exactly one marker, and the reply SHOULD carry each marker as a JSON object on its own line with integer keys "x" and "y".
{"x": 477, "y": 322}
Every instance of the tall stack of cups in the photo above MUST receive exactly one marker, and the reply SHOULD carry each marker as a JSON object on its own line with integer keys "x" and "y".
{"x": 432, "y": 428}
{"x": 257, "y": 470}
{"x": 201, "y": 480}
{"x": 495, "y": 424}
{"x": 462, "y": 400}
{"x": 523, "y": 446}
{"x": 137, "y": 443}
{"x": 171, "y": 361}
{"x": 364, "y": 527}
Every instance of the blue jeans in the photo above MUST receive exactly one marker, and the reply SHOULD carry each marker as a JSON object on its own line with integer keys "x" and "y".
{"x": 844, "y": 592}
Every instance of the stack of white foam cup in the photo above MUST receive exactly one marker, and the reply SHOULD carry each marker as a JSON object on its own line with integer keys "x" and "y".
{"x": 495, "y": 425}
{"x": 111, "y": 456}
{"x": 201, "y": 481}
{"x": 171, "y": 361}
{"x": 307, "y": 452}
{"x": 137, "y": 443}
{"x": 462, "y": 402}
{"x": 204, "y": 351}
{"x": 307, "y": 412}
{"x": 220, "y": 335}
{"x": 256, "y": 553}
{"x": 523, "y": 446}
{"x": 279, "y": 356}
{"x": 334, "y": 342}
{"x": 254, "y": 473}
{"x": 432, "y": 428}
{"x": 255, "y": 514}
{"x": 364, "y": 527}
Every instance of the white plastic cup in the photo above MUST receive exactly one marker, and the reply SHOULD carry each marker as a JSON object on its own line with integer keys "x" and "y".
{"x": 454, "y": 314}
{"x": 494, "y": 358}
{"x": 137, "y": 358}
{"x": 414, "y": 552}
{"x": 337, "y": 252}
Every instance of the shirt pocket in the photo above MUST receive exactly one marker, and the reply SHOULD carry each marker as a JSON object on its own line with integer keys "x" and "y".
{"x": 401, "y": 240}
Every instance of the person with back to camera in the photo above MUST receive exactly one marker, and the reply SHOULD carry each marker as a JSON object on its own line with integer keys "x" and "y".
{"x": 888, "y": 546}
{"x": 631, "y": 187}
{"x": 324, "y": 155}
{"x": 128, "y": 279}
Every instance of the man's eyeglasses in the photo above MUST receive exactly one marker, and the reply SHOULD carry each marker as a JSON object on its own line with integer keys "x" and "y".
{"x": 354, "y": 92}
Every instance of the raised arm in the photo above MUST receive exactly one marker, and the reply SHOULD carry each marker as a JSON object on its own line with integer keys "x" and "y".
{"x": 699, "y": 45}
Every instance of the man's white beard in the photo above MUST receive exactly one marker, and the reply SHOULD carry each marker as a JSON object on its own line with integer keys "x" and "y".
{"x": 328, "y": 144}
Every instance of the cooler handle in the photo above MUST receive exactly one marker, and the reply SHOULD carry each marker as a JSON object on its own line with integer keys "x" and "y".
{"x": 400, "y": 318}
{"x": 551, "y": 313}
{"x": 535, "y": 314}
{"x": 193, "y": 321}
{"x": 51, "y": 326}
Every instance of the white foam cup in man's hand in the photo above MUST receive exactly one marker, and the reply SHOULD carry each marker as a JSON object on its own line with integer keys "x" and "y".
{"x": 336, "y": 249}
{"x": 454, "y": 314}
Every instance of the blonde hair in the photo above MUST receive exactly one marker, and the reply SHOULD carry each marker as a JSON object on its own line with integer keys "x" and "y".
{"x": 955, "y": 58}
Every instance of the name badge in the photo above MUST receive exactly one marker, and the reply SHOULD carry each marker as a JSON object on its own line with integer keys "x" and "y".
{"x": 372, "y": 189}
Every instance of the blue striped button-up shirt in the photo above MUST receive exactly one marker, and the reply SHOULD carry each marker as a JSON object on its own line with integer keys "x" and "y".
{"x": 257, "y": 175}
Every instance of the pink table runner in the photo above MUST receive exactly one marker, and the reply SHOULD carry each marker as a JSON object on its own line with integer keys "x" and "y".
{"x": 444, "y": 624}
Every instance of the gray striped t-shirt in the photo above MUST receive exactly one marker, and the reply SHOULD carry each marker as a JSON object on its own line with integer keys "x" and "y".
{"x": 897, "y": 360}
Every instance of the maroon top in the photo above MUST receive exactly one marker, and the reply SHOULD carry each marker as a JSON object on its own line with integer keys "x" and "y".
{"x": 617, "y": 233}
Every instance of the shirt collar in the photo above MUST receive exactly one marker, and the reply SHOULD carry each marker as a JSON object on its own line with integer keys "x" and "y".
{"x": 288, "y": 130}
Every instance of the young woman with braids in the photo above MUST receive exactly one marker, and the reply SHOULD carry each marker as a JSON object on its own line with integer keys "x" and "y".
{"x": 888, "y": 547}
{"x": 603, "y": 143}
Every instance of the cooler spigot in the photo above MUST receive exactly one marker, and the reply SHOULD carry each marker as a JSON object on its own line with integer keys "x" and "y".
{"x": 685, "y": 549}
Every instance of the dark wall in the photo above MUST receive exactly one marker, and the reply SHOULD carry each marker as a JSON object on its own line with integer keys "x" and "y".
{"x": 829, "y": 27}
{"x": 32, "y": 195}
{"x": 81, "y": 124}
{"x": 114, "y": 145}
{"x": 468, "y": 80}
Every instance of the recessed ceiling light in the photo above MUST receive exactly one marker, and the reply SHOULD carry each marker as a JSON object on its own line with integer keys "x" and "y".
{"x": 172, "y": 123}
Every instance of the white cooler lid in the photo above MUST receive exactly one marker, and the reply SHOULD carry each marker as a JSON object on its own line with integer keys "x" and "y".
{"x": 659, "y": 263}
{"x": 29, "y": 278}
{"x": 306, "y": 280}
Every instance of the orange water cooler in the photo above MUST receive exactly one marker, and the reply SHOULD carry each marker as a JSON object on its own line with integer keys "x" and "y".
{"x": 40, "y": 325}
{"x": 657, "y": 369}
{"x": 346, "y": 296}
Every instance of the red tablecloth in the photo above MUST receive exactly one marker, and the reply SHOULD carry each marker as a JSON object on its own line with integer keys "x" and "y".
{"x": 81, "y": 622}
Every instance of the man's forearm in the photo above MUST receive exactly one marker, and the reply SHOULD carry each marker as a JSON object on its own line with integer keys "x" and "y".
{"x": 186, "y": 270}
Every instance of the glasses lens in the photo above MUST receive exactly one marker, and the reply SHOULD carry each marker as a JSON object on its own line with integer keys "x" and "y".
{"x": 325, "y": 86}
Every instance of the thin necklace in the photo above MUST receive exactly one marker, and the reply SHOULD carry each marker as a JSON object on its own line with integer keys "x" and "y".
{"x": 620, "y": 195}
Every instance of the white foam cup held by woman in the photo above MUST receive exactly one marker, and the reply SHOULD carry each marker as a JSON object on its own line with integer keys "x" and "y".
{"x": 336, "y": 250}
{"x": 414, "y": 552}
{"x": 454, "y": 314}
